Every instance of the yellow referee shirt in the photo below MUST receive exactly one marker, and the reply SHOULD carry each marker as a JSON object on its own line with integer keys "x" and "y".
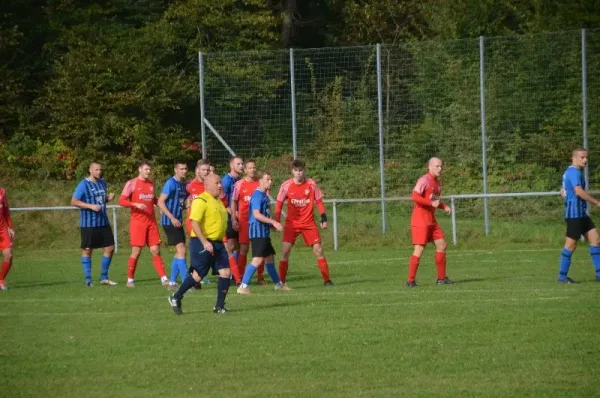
{"x": 211, "y": 215}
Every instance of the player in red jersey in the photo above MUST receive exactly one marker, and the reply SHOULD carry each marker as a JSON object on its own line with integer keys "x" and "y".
{"x": 423, "y": 225}
{"x": 7, "y": 233}
{"x": 140, "y": 197}
{"x": 301, "y": 194}
{"x": 240, "y": 213}
{"x": 195, "y": 188}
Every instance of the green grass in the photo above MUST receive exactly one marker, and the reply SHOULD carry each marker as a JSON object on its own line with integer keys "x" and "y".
{"x": 506, "y": 329}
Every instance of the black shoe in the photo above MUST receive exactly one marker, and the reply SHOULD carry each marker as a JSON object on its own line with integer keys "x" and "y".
{"x": 221, "y": 310}
{"x": 411, "y": 284}
{"x": 568, "y": 281}
{"x": 445, "y": 281}
{"x": 175, "y": 305}
{"x": 329, "y": 283}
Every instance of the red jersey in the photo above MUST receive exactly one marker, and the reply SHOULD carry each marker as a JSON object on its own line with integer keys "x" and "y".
{"x": 5, "y": 221}
{"x": 193, "y": 189}
{"x": 242, "y": 191}
{"x": 301, "y": 199}
{"x": 138, "y": 190}
{"x": 425, "y": 191}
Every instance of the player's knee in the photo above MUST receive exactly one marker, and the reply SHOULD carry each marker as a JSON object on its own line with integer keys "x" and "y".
{"x": 84, "y": 253}
{"x": 108, "y": 251}
{"x": 442, "y": 246}
{"x": 155, "y": 251}
{"x": 7, "y": 254}
{"x": 196, "y": 276}
{"x": 318, "y": 250}
{"x": 225, "y": 273}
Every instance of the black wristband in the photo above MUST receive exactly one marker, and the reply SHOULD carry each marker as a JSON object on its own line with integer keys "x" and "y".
{"x": 323, "y": 217}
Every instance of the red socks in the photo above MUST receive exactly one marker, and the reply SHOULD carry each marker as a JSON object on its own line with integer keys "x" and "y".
{"x": 440, "y": 263}
{"x": 242, "y": 258}
{"x": 322, "y": 263}
{"x": 235, "y": 271}
{"x": 283, "y": 268}
{"x": 260, "y": 272}
{"x": 131, "y": 265}
{"x": 413, "y": 265}
{"x": 159, "y": 266}
{"x": 5, "y": 268}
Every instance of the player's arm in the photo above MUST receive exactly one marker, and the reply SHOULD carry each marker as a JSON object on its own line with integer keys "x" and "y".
{"x": 163, "y": 208}
{"x": 563, "y": 193}
{"x": 233, "y": 205}
{"x": 6, "y": 214}
{"x": 581, "y": 193}
{"x": 124, "y": 199}
{"x": 281, "y": 198}
{"x": 264, "y": 219}
{"x": 77, "y": 202}
{"x": 320, "y": 205}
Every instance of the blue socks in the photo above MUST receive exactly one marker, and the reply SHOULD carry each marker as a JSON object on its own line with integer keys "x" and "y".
{"x": 595, "y": 254}
{"x": 86, "y": 263}
{"x": 248, "y": 274}
{"x": 178, "y": 267}
{"x": 565, "y": 263}
{"x": 272, "y": 273}
{"x": 105, "y": 266}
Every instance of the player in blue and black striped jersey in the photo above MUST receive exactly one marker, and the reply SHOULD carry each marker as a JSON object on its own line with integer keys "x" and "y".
{"x": 172, "y": 203}
{"x": 90, "y": 197}
{"x": 576, "y": 217}
{"x": 259, "y": 232}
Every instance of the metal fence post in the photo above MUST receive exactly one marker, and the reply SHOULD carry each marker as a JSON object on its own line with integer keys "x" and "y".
{"x": 483, "y": 135}
{"x": 453, "y": 209}
{"x": 293, "y": 94}
{"x": 335, "y": 226}
{"x": 584, "y": 105}
{"x": 115, "y": 228}
{"x": 381, "y": 152}
{"x": 202, "y": 128}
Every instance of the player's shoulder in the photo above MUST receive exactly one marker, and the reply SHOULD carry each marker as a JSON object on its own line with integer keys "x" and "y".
{"x": 286, "y": 184}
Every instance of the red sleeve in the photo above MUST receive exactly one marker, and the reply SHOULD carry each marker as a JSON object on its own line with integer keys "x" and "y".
{"x": 126, "y": 194}
{"x": 320, "y": 206}
{"x": 419, "y": 199}
{"x": 124, "y": 202}
{"x": 6, "y": 211}
{"x": 278, "y": 209}
{"x": 442, "y": 206}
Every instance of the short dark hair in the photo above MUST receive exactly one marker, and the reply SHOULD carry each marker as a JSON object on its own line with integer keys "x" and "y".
{"x": 249, "y": 161}
{"x": 298, "y": 164}
{"x": 178, "y": 162}
{"x": 234, "y": 157}
{"x": 263, "y": 173}
{"x": 144, "y": 162}
{"x": 580, "y": 149}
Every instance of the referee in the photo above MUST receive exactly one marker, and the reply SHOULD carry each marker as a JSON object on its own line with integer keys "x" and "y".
{"x": 209, "y": 222}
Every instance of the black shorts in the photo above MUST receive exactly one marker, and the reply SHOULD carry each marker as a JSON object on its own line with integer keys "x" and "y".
{"x": 579, "y": 226}
{"x": 262, "y": 247}
{"x": 202, "y": 261}
{"x": 175, "y": 235}
{"x": 96, "y": 237}
{"x": 231, "y": 233}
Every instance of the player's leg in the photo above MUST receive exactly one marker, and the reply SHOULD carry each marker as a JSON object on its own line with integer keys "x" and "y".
{"x": 572, "y": 236}
{"x": 312, "y": 238}
{"x": 244, "y": 240}
{"x": 137, "y": 240}
{"x": 441, "y": 246}
{"x": 593, "y": 238}
{"x": 200, "y": 261}
{"x": 132, "y": 264}
{"x": 7, "y": 257}
{"x": 153, "y": 242}
{"x": 222, "y": 265}
{"x": 232, "y": 252}
{"x": 86, "y": 254}
{"x": 289, "y": 238}
{"x": 420, "y": 238}
{"x": 108, "y": 243}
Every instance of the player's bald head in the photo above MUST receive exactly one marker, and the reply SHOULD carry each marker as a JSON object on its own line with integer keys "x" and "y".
{"x": 433, "y": 160}
{"x": 212, "y": 184}
{"x": 434, "y": 166}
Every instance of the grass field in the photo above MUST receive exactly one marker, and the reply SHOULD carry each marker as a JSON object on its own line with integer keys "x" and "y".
{"x": 505, "y": 329}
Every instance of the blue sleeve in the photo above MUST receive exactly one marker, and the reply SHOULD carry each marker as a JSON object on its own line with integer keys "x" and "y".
{"x": 169, "y": 187}
{"x": 79, "y": 190}
{"x": 255, "y": 202}
{"x": 575, "y": 177}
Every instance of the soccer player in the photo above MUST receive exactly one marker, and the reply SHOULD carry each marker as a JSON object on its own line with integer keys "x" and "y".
{"x": 90, "y": 197}
{"x": 423, "y": 225}
{"x": 236, "y": 167}
{"x": 260, "y": 236}
{"x": 209, "y": 222}
{"x": 240, "y": 215}
{"x": 7, "y": 234}
{"x": 577, "y": 220}
{"x": 301, "y": 194}
{"x": 196, "y": 187}
{"x": 172, "y": 202}
{"x": 139, "y": 196}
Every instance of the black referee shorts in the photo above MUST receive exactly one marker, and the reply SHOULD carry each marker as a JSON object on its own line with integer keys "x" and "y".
{"x": 231, "y": 233}
{"x": 579, "y": 226}
{"x": 262, "y": 247}
{"x": 174, "y": 235}
{"x": 96, "y": 237}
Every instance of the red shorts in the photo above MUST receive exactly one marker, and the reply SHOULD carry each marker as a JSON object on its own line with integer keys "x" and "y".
{"x": 310, "y": 235}
{"x": 243, "y": 233}
{"x": 144, "y": 234}
{"x": 423, "y": 234}
{"x": 5, "y": 239}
